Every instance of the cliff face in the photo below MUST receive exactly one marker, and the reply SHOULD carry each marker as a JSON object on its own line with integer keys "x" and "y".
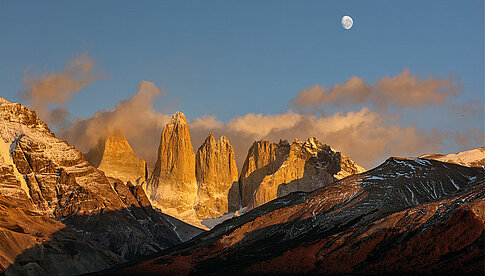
{"x": 264, "y": 158}
{"x": 173, "y": 184}
{"x": 274, "y": 170}
{"x": 53, "y": 202}
{"x": 114, "y": 156}
{"x": 303, "y": 166}
{"x": 216, "y": 173}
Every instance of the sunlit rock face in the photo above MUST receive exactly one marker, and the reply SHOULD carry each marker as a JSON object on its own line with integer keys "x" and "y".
{"x": 264, "y": 158}
{"x": 274, "y": 170}
{"x": 216, "y": 173}
{"x": 173, "y": 184}
{"x": 114, "y": 156}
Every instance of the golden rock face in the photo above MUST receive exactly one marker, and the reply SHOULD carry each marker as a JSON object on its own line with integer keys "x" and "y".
{"x": 114, "y": 156}
{"x": 216, "y": 173}
{"x": 274, "y": 170}
{"x": 206, "y": 184}
{"x": 173, "y": 184}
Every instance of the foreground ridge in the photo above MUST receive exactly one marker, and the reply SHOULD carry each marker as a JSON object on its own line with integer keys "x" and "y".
{"x": 405, "y": 216}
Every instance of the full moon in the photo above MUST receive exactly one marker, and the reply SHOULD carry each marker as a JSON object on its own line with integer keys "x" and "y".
{"x": 347, "y": 22}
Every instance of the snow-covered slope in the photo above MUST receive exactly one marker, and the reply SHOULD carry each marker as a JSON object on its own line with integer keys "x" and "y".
{"x": 470, "y": 158}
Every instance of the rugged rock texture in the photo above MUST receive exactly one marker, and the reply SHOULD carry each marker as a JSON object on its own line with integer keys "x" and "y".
{"x": 470, "y": 158}
{"x": 274, "y": 170}
{"x": 114, "y": 156}
{"x": 173, "y": 184}
{"x": 348, "y": 167}
{"x": 264, "y": 158}
{"x": 216, "y": 173}
{"x": 404, "y": 217}
{"x": 35, "y": 244}
{"x": 54, "y": 203}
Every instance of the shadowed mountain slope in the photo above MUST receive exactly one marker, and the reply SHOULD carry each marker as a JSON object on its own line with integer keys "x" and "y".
{"x": 405, "y": 216}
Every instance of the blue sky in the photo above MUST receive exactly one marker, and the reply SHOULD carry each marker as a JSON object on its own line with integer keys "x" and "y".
{"x": 230, "y": 58}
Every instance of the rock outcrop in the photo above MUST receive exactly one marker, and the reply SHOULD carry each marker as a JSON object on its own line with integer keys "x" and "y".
{"x": 54, "y": 203}
{"x": 173, "y": 186}
{"x": 274, "y": 170}
{"x": 216, "y": 173}
{"x": 114, "y": 156}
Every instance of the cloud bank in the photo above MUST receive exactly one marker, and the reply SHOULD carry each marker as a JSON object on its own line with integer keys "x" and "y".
{"x": 364, "y": 135}
{"x": 403, "y": 90}
{"x": 369, "y": 133}
{"x": 135, "y": 117}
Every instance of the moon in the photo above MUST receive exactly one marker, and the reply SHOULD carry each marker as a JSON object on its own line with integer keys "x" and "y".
{"x": 347, "y": 22}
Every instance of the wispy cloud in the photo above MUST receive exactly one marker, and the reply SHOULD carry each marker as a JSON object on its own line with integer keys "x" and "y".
{"x": 49, "y": 93}
{"x": 403, "y": 90}
{"x": 368, "y": 135}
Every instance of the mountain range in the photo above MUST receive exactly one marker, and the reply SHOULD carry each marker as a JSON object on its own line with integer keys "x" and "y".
{"x": 293, "y": 208}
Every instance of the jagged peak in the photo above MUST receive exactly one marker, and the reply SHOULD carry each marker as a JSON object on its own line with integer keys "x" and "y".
{"x": 178, "y": 117}
{"x": 209, "y": 140}
{"x": 313, "y": 143}
{"x": 17, "y": 113}
{"x": 224, "y": 140}
{"x": 3, "y": 100}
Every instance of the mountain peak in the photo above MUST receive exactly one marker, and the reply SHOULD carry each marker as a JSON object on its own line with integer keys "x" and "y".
{"x": 178, "y": 117}
{"x": 17, "y": 113}
{"x": 114, "y": 156}
{"x": 3, "y": 100}
{"x": 173, "y": 185}
{"x": 210, "y": 138}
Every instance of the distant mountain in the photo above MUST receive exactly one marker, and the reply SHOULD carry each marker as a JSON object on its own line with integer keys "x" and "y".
{"x": 470, "y": 158}
{"x": 60, "y": 215}
{"x": 114, "y": 156}
{"x": 406, "y": 216}
{"x": 206, "y": 186}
